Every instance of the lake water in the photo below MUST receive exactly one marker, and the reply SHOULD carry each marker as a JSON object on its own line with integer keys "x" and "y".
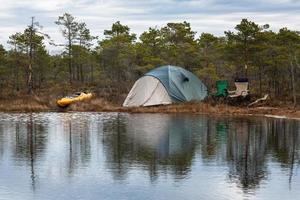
{"x": 147, "y": 156}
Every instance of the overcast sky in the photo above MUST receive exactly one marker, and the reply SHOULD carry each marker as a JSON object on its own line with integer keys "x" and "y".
{"x": 213, "y": 16}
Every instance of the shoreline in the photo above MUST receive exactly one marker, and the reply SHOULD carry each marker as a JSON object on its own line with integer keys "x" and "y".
{"x": 36, "y": 104}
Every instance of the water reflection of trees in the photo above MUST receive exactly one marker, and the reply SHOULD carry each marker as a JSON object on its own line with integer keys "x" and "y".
{"x": 159, "y": 144}
{"x": 78, "y": 141}
{"x": 155, "y": 142}
{"x": 246, "y": 153}
{"x": 284, "y": 142}
{"x": 168, "y": 144}
{"x": 25, "y": 141}
{"x": 30, "y": 137}
{"x": 283, "y": 139}
{"x": 252, "y": 142}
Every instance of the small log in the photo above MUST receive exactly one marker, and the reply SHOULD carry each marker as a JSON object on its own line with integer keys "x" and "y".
{"x": 259, "y": 100}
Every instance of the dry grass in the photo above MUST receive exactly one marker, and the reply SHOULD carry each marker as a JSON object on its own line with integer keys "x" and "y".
{"x": 101, "y": 105}
{"x": 98, "y": 104}
{"x": 25, "y": 104}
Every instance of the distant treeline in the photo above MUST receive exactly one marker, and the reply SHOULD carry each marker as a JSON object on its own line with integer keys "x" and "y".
{"x": 269, "y": 59}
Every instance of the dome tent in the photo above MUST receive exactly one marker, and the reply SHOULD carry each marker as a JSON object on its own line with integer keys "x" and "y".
{"x": 165, "y": 85}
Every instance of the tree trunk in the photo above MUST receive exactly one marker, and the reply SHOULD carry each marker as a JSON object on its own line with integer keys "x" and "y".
{"x": 246, "y": 58}
{"x": 92, "y": 73}
{"x": 293, "y": 85}
{"x": 16, "y": 81}
{"x": 78, "y": 72}
{"x": 260, "y": 84}
{"x": 81, "y": 74}
{"x": 70, "y": 55}
{"x": 296, "y": 61}
{"x": 30, "y": 80}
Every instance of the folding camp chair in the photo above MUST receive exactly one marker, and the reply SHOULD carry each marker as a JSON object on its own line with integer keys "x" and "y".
{"x": 241, "y": 85}
{"x": 222, "y": 88}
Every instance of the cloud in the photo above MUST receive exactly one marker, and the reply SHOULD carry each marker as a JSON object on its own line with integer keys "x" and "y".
{"x": 212, "y": 16}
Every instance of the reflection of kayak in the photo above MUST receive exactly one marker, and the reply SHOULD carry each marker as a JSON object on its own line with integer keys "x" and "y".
{"x": 80, "y": 96}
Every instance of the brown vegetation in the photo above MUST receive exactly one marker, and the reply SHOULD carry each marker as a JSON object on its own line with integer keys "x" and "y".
{"x": 99, "y": 104}
{"x": 24, "y": 104}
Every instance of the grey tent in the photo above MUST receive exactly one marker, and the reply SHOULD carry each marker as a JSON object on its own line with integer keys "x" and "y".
{"x": 165, "y": 85}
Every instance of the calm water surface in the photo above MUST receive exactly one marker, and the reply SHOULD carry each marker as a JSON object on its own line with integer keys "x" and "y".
{"x": 147, "y": 156}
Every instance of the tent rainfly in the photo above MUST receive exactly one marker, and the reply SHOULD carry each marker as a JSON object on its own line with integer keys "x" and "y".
{"x": 165, "y": 85}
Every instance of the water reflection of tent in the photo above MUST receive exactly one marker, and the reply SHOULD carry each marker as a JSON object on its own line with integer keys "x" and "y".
{"x": 165, "y": 85}
{"x": 157, "y": 142}
{"x": 165, "y": 134}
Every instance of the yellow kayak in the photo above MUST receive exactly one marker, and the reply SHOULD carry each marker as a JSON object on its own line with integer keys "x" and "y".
{"x": 80, "y": 96}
